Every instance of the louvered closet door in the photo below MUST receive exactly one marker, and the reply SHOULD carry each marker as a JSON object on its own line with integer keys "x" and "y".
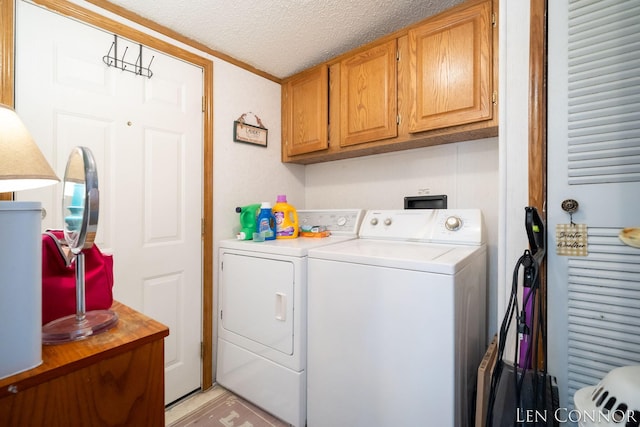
{"x": 594, "y": 158}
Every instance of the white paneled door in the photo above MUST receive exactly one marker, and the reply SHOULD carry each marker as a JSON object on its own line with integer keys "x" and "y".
{"x": 594, "y": 159}
{"x": 146, "y": 135}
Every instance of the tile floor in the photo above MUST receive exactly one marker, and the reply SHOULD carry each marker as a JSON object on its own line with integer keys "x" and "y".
{"x": 191, "y": 404}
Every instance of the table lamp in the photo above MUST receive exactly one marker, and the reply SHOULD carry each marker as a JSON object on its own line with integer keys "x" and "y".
{"x": 22, "y": 167}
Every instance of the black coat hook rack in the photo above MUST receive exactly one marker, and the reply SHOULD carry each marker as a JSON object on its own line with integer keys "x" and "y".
{"x": 136, "y": 68}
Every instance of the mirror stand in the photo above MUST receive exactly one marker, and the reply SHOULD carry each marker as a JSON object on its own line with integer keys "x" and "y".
{"x": 82, "y": 324}
{"x": 81, "y": 199}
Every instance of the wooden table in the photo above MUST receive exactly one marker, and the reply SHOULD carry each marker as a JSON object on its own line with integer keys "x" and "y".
{"x": 115, "y": 378}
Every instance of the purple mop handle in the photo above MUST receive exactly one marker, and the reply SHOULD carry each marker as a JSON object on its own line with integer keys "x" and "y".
{"x": 524, "y": 362}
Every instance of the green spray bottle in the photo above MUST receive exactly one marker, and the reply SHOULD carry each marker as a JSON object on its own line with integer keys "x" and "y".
{"x": 248, "y": 215}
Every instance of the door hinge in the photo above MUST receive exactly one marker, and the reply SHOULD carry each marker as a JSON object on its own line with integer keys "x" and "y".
{"x": 493, "y": 19}
{"x": 398, "y": 119}
{"x": 201, "y": 350}
{"x": 397, "y": 54}
{"x": 202, "y": 226}
{"x": 494, "y": 97}
{"x": 203, "y": 104}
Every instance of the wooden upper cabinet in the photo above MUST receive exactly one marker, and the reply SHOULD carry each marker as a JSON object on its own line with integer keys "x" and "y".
{"x": 368, "y": 95}
{"x": 451, "y": 69}
{"x": 431, "y": 83}
{"x": 305, "y": 112}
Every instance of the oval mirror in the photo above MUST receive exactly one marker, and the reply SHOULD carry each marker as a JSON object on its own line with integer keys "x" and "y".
{"x": 80, "y": 200}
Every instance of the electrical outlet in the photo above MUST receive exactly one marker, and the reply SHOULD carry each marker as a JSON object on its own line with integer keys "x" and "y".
{"x": 423, "y": 191}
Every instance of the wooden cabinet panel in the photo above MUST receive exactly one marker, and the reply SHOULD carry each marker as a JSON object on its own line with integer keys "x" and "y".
{"x": 368, "y": 102}
{"x": 127, "y": 389}
{"x": 115, "y": 378}
{"x": 451, "y": 69}
{"x": 305, "y": 112}
{"x": 431, "y": 83}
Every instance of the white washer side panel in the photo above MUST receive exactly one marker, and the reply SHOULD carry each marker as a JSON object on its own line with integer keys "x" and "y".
{"x": 471, "y": 332}
{"x": 379, "y": 338}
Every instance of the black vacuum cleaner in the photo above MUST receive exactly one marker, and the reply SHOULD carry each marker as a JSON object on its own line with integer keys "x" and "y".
{"x": 521, "y": 394}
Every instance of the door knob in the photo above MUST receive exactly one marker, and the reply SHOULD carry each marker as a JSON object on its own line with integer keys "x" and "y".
{"x": 570, "y": 205}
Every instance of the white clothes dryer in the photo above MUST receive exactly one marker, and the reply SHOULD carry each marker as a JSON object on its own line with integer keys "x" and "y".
{"x": 396, "y": 321}
{"x": 262, "y": 321}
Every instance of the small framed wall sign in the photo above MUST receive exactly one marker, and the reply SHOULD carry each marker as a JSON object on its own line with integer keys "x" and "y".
{"x": 250, "y": 134}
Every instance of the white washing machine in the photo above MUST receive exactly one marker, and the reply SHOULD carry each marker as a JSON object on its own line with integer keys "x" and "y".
{"x": 262, "y": 314}
{"x": 396, "y": 321}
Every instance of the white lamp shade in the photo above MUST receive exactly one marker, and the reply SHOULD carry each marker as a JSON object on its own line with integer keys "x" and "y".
{"x": 22, "y": 164}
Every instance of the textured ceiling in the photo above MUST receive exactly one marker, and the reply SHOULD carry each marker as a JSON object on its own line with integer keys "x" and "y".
{"x": 282, "y": 37}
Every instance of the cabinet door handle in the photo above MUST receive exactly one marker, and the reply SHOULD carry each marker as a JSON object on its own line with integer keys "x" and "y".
{"x": 281, "y": 306}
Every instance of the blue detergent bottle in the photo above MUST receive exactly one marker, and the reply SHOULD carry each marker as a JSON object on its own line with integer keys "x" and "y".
{"x": 266, "y": 222}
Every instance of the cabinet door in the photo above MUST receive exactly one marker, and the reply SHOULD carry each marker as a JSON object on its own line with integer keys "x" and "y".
{"x": 450, "y": 68}
{"x": 305, "y": 112}
{"x": 368, "y": 102}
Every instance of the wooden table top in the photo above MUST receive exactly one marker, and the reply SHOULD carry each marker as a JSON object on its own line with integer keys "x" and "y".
{"x": 133, "y": 330}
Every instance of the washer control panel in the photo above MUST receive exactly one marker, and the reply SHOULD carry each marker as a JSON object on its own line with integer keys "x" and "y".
{"x": 453, "y": 223}
{"x": 337, "y": 221}
{"x": 459, "y": 226}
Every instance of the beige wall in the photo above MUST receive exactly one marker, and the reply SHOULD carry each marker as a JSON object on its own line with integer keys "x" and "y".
{"x": 244, "y": 173}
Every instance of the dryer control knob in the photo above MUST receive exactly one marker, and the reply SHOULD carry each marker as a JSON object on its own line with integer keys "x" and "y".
{"x": 374, "y": 221}
{"x": 453, "y": 223}
{"x": 342, "y": 221}
{"x": 387, "y": 221}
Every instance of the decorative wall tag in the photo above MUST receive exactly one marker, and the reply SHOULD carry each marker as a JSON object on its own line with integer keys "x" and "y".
{"x": 243, "y": 132}
{"x": 571, "y": 240}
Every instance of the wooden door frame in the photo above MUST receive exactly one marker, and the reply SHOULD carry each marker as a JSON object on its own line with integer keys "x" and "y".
{"x": 7, "y": 96}
{"x": 538, "y": 143}
{"x": 538, "y": 106}
{"x": 6, "y": 60}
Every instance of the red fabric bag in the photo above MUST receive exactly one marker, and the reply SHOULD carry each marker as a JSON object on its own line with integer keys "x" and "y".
{"x": 59, "y": 278}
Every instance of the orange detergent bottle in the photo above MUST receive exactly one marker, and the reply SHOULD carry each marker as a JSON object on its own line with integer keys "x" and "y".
{"x": 286, "y": 219}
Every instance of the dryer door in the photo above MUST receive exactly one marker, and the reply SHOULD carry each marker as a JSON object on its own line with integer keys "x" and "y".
{"x": 256, "y": 297}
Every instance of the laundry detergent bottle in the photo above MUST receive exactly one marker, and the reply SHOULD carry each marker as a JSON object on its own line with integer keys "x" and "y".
{"x": 286, "y": 219}
{"x": 248, "y": 220}
{"x": 266, "y": 223}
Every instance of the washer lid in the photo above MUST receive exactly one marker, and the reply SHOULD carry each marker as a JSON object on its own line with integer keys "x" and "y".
{"x": 433, "y": 258}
